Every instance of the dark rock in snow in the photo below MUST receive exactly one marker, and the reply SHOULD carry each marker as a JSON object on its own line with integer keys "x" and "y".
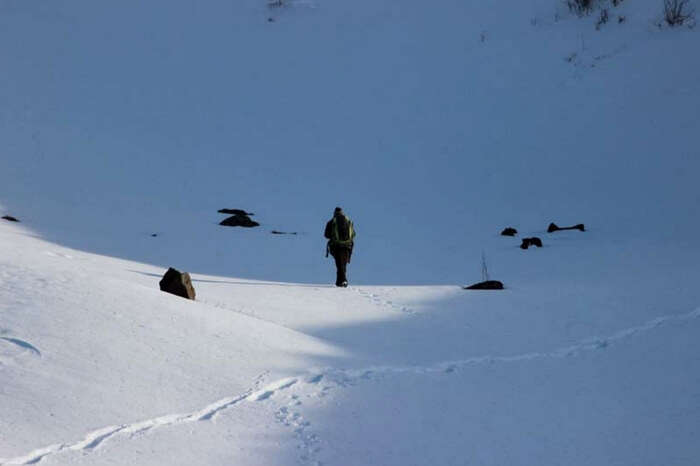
{"x": 239, "y": 218}
{"x": 509, "y": 232}
{"x": 534, "y": 241}
{"x": 153, "y": 235}
{"x": 234, "y": 212}
{"x": 239, "y": 221}
{"x": 487, "y": 285}
{"x": 10, "y": 218}
{"x": 177, "y": 283}
{"x": 553, "y": 227}
{"x": 276, "y": 232}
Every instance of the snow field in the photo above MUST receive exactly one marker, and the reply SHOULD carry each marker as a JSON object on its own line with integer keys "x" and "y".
{"x": 395, "y": 375}
{"x": 434, "y": 126}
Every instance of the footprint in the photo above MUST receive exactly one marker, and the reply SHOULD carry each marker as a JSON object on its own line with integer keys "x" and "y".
{"x": 270, "y": 390}
{"x": 287, "y": 384}
{"x": 260, "y": 380}
{"x": 308, "y": 445}
{"x": 379, "y": 301}
{"x": 262, "y": 396}
{"x": 94, "y": 439}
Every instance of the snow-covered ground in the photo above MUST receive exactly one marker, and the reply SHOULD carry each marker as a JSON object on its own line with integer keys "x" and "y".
{"x": 584, "y": 367}
{"x": 435, "y": 126}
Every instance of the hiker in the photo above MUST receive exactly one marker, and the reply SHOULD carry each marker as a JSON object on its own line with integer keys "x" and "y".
{"x": 340, "y": 233}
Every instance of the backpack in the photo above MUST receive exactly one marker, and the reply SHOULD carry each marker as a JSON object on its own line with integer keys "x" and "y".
{"x": 342, "y": 231}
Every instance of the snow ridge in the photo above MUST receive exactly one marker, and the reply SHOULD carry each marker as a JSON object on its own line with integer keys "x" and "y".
{"x": 335, "y": 376}
{"x": 22, "y": 344}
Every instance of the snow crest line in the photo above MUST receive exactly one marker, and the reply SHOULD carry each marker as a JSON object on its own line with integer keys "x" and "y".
{"x": 338, "y": 377}
{"x": 22, "y": 344}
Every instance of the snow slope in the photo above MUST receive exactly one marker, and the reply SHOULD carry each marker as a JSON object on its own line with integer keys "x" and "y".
{"x": 99, "y": 367}
{"x": 434, "y": 126}
{"x": 120, "y": 120}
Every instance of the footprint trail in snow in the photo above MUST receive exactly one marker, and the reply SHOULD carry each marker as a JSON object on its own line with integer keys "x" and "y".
{"x": 386, "y": 303}
{"x": 320, "y": 382}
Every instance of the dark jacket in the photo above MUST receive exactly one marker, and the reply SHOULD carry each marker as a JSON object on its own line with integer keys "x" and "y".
{"x": 328, "y": 233}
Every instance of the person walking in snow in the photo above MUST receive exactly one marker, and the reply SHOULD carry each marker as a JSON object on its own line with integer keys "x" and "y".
{"x": 341, "y": 234}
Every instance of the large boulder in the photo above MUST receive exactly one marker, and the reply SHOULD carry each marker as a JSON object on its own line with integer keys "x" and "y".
{"x": 177, "y": 283}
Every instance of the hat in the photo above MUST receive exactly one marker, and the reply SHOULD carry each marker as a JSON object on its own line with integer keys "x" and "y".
{"x": 337, "y": 210}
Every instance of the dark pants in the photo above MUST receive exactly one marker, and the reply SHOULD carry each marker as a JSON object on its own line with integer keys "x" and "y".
{"x": 342, "y": 257}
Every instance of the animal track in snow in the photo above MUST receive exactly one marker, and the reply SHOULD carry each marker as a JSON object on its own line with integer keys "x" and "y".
{"x": 95, "y": 438}
{"x": 331, "y": 377}
{"x": 269, "y": 390}
{"x": 308, "y": 441}
{"x": 590, "y": 344}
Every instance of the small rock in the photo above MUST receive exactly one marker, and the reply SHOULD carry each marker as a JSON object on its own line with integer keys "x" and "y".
{"x": 239, "y": 221}
{"x": 235, "y": 212}
{"x": 487, "y": 285}
{"x": 177, "y": 283}
{"x": 509, "y": 232}
{"x": 276, "y": 232}
{"x": 10, "y": 218}
{"x": 534, "y": 241}
{"x": 554, "y": 227}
